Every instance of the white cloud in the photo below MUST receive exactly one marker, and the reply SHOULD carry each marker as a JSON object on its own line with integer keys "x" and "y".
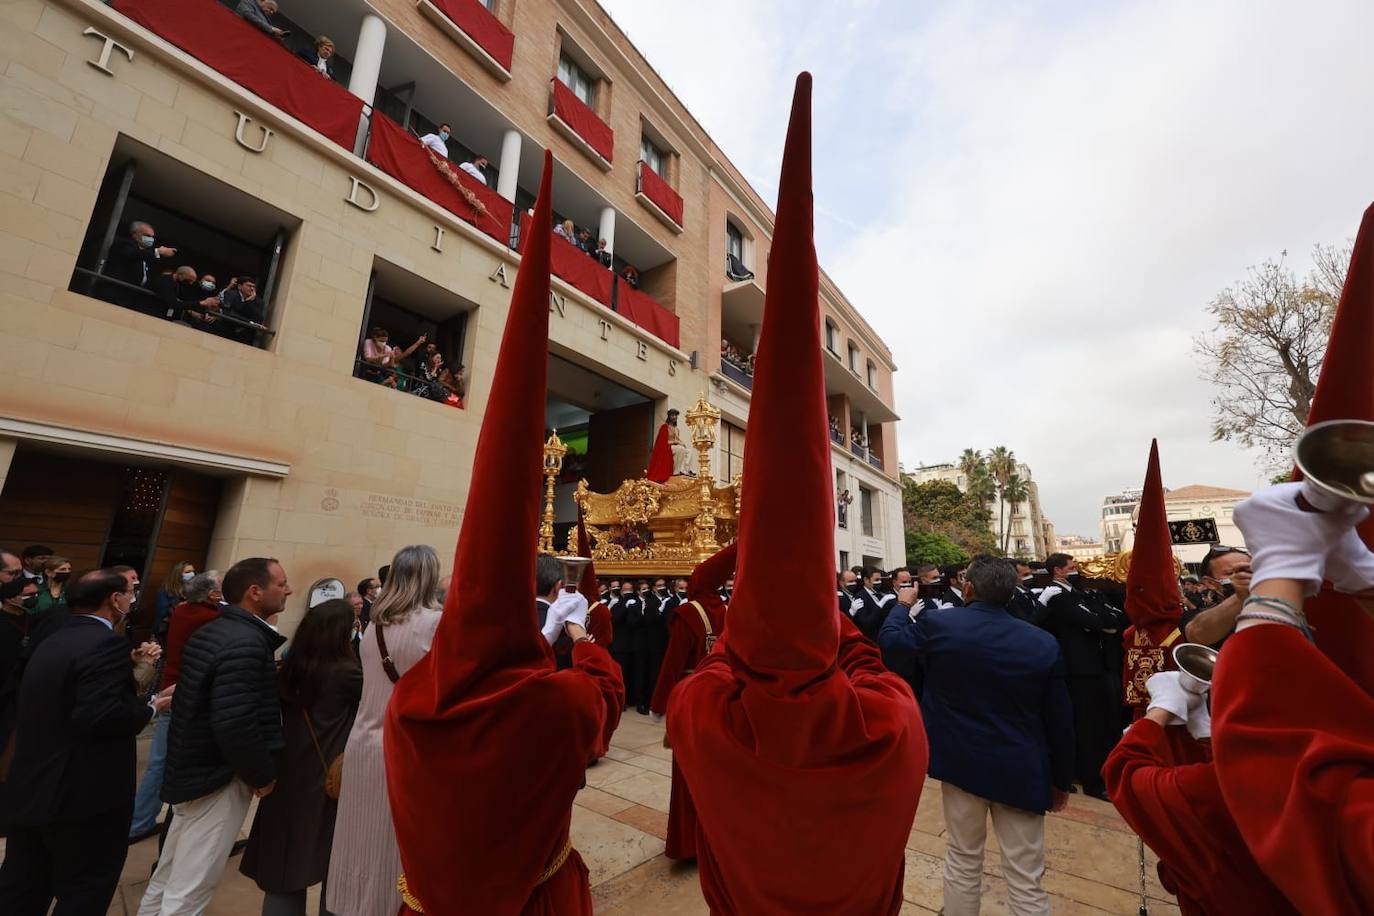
{"x": 1045, "y": 198}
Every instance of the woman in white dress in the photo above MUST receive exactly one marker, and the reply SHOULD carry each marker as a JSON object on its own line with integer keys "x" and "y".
{"x": 365, "y": 862}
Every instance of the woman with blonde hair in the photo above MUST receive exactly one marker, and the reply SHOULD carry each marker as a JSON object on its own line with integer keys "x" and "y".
{"x": 365, "y": 862}
{"x": 172, "y": 593}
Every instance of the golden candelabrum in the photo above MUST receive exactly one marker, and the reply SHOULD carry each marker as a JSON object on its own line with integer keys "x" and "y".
{"x": 554, "y": 450}
{"x": 703, "y": 419}
{"x": 646, "y": 528}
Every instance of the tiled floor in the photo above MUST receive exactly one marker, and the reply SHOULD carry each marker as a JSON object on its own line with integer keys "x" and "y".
{"x": 621, "y": 818}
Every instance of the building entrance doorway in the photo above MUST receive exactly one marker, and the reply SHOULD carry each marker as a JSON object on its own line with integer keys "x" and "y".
{"x": 105, "y": 513}
{"x": 607, "y": 427}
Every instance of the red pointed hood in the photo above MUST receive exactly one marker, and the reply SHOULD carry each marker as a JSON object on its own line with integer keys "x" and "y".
{"x": 787, "y": 513}
{"x": 489, "y": 623}
{"x": 711, "y": 574}
{"x": 1152, "y": 594}
{"x": 587, "y": 586}
{"x": 1345, "y": 391}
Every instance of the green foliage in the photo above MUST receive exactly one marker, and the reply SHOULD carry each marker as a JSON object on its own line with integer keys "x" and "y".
{"x": 930, "y": 547}
{"x": 938, "y": 507}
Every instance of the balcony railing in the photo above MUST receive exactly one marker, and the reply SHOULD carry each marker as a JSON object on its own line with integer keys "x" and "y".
{"x": 837, "y": 437}
{"x": 858, "y": 450}
{"x": 736, "y": 373}
{"x": 222, "y": 41}
{"x": 476, "y": 28}
{"x": 874, "y": 460}
{"x": 406, "y": 382}
{"x": 662, "y": 200}
{"x": 144, "y": 300}
{"x": 575, "y": 118}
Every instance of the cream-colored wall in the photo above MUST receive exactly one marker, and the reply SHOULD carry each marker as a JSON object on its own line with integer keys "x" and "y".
{"x": 370, "y": 469}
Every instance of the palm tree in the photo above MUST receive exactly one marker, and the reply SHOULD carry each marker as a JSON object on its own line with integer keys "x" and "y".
{"x": 1001, "y": 464}
{"x": 1014, "y": 491}
{"x": 970, "y": 462}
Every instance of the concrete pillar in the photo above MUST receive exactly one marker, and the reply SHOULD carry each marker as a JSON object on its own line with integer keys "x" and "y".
{"x": 607, "y": 228}
{"x": 509, "y": 177}
{"x": 367, "y": 67}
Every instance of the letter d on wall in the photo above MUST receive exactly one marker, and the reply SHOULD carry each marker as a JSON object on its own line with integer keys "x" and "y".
{"x": 373, "y": 200}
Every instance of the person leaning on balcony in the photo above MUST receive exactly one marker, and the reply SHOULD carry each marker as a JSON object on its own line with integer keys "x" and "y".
{"x": 584, "y": 241}
{"x": 475, "y": 167}
{"x": 438, "y": 141}
{"x": 241, "y": 301}
{"x": 602, "y": 254}
{"x": 565, "y": 230}
{"x": 175, "y": 291}
{"x": 320, "y": 57}
{"x": 384, "y": 357}
{"x": 258, "y": 13}
{"x": 131, "y": 256}
{"x": 630, "y": 276}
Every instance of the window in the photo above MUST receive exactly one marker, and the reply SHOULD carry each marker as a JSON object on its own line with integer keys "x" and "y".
{"x": 872, "y": 375}
{"x": 734, "y": 242}
{"x": 222, "y": 234}
{"x": 653, "y": 156}
{"x": 731, "y": 451}
{"x": 853, "y": 358}
{"x": 842, "y": 500}
{"x": 401, "y": 308}
{"x": 576, "y": 79}
{"x": 844, "y": 560}
{"x": 866, "y": 511}
{"x": 831, "y": 333}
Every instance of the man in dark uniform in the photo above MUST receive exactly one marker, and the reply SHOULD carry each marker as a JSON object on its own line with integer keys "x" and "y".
{"x": 952, "y": 593}
{"x": 1023, "y": 604}
{"x": 625, "y": 613}
{"x": 876, "y": 601}
{"x": 650, "y": 640}
{"x": 1081, "y": 628}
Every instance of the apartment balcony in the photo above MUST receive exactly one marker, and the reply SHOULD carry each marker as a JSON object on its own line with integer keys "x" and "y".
{"x": 576, "y": 121}
{"x": 840, "y": 379}
{"x": 477, "y": 30}
{"x": 737, "y": 374}
{"x": 658, "y": 197}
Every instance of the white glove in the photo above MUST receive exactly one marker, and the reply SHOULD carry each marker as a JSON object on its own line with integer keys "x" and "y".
{"x": 570, "y": 606}
{"x": 1288, "y": 542}
{"x": 1350, "y": 564}
{"x": 1167, "y": 693}
{"x": 1199, "y": 717}
{"x": 656, "y": 718}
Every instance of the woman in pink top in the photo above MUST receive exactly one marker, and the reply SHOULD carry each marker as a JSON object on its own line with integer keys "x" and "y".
{"x": 382, "y": 359}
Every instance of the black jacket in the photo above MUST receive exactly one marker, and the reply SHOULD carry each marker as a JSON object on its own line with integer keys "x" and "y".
{"x": 625, "y": 614}
{"x": 226, "y": 717}
{"x": 311, "y": 57}
{"x": 130, "y": 262}
{"x": 77, "y": 721}
{"x": 1080, "y": 628}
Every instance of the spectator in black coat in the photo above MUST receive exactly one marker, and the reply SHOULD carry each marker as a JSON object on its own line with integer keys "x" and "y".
{"x": 321, "y": 57}
{"x": 177, "y": 290}
{"x": 240, "y": 300}
{"x": 134, "y": 259}
{"x": 225, "y": 736}
{"x": 69, "y": 796}
{"x": 257, "y": 13}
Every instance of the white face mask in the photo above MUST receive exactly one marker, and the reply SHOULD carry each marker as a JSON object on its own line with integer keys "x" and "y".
{"x": 188, "y": 576}
{"x": 1027, "y": 577}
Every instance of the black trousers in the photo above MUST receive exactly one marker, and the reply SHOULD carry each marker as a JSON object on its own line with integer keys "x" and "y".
{"x": 626, "y": 660}
{"x": 1095, "y": 717}
{"x": 78, "y": 863}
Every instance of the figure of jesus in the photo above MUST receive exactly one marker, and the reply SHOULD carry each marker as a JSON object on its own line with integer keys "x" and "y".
{"x": 682, "y": 455}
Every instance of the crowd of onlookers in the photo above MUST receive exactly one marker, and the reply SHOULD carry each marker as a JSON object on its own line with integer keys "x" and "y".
{"x": 737, "y": 357}
{"x": 425, "y": 373}
{"x": 178, "y": 292}
{"x": 595, "y": 248}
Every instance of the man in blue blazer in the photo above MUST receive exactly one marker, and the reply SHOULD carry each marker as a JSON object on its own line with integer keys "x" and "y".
{"x": 1000, "y": 726}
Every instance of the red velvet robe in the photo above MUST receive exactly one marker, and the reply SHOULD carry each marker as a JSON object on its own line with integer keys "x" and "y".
{"x": 661, "y": 458}
{"x": 827, "y": 777}
{"x": 1165, "y": 786}
{"x": 516, "y": 757}
{"x": 1294, "y": 744}
{"x": 686, "y": 649}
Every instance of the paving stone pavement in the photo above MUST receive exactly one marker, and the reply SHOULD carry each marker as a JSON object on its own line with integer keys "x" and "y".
{"x": 620, "y": 820}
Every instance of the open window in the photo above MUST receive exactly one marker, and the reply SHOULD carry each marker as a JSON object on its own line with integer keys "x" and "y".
{"x": 159, "y": 223}
{"x": 736, "y": 255}
{"x": 414, "y": 336}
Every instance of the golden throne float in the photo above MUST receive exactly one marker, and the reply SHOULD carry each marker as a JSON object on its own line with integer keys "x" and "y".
{"x": 1115, "y": 567}
{"x": 651, "y": 529}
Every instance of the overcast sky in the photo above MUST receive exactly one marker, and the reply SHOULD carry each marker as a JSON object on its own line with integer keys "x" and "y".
{"x": 1033, "y": 202}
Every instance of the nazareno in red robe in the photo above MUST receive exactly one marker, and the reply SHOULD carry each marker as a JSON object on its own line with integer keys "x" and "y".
{"x": 686, "y": 649}
{"x": 1165, "y": 786}
{"x": 486, "y": 744}
{"x": 805, "y": 756}
{"x": 1294, "y": 742}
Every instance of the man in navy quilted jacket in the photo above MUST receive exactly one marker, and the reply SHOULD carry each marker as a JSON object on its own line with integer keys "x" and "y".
{"x": 224, "y": 739}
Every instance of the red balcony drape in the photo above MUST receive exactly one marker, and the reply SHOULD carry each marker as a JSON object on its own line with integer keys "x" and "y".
{"x": 574, "y": 265}
{"x": 482, "y": 27}
{"x": 656, "y": 189}
{"x": 644, "y": 310}
{"x": 222, "y": 41}
{"x": 398, "y": 153}
{"x": 584, "y": 122}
